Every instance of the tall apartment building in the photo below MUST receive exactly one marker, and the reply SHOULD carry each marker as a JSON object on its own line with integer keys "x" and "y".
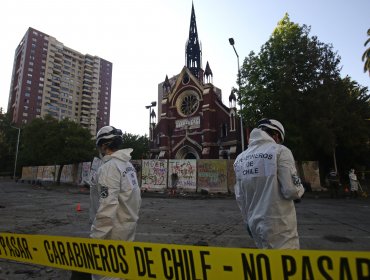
{"x": 51, "y": 79}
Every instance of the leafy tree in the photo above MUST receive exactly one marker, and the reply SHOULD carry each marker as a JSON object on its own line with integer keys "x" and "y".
{"x": 296, "y": 79}
{"x": 139, "y": 144}
{"x": 48, "y": 141}
{"x": 366, "y": 55}
{"x": 8, "y": 144}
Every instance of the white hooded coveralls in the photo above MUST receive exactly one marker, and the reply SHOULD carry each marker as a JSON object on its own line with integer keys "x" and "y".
{"x": 115, "y": 199}
{"x": 266, "y": 187}
{"x": 119, "y": 198}
{"x": 353, "y": 181}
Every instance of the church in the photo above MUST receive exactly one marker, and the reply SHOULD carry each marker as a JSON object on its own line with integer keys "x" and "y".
{"x": 193, "y": 122}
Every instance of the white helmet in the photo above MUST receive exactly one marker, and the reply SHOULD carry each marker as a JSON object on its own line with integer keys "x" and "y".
{"x": 272, "y": 124}
{"x": 107, "y": 132}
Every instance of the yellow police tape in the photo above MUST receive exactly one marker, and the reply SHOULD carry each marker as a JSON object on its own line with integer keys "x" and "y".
{"x": 137, "y": 260}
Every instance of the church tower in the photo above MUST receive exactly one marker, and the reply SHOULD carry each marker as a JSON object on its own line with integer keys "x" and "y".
{"x": 193, "y": 122}
{"x": 193, "y": 53}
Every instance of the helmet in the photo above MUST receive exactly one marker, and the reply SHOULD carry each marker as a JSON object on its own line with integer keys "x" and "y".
{"x": 272, "y": 124}
{"x": 107, "y": 133}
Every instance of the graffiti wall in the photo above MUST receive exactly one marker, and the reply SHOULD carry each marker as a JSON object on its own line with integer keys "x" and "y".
{"x": 47, "y": 173}
{"x": 84, "y": 171}
{"x": 29, "y": 173}
{"x": 67, "y": 173}
{"x": 186, "y": 170}
{"x": 154, "y": 175}
{"x": 138, "y": 168}
{"x": 212, "y": 175}
{"x": 312, "y": 174}
{"x": 215, "y": 176}
{"x": 230, "y": 176}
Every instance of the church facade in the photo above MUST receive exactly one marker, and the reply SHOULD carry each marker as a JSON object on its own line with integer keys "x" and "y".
{"x": 193, "y": 122}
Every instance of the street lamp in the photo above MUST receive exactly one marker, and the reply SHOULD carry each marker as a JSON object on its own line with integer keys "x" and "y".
{"x": 232, "y": 42}
{"x": 154, "y": 103}
{"x": 16, "y": 152}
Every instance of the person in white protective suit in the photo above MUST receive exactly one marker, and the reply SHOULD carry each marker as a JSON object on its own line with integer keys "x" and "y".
{"x": 94, "y": 194}
{"x": 353, "y": 182}
{"x": 115, "y": 193}
{"x": 266, "y": 187}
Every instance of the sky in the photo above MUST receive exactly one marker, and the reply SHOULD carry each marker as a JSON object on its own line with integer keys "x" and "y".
{"x": 145, "y": 40}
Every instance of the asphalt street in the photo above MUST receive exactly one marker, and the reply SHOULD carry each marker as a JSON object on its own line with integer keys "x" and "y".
{"x": 189, "y": 219}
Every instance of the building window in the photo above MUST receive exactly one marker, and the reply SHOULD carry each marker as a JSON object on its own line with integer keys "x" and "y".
{"x": 158, "y": 139}
{"x": 223, "y": 130}
{"x": 232, "y": 122}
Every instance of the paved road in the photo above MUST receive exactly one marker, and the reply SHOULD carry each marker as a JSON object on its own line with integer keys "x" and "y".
{"x": 323, "y": 223}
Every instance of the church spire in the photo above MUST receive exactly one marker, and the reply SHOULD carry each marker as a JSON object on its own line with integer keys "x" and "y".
{"x": 193, "y": 48}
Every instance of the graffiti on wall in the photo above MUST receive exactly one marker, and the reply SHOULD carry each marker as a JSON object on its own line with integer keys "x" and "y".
{"x": 186, "y": 170}
{"x": 230, "y": 176}
{"x": 67, "y": 173}
{"x": 50, "y": 173}
{"x": 154, "y": 174}
{"x": 29, "y": 172}
{"x": 47, "y": 173}
{"x": 312, "y": 174}
{"x": 212, "y": 175}
{"x": 84, "y": 172}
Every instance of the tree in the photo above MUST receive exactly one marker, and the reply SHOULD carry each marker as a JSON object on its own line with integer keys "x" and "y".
{"x": 296, "y": 79}
{"x": 48, "y": 141}
{"x": 139, "y": 144}
{"x": 366, "y": 55}
{"x": 8, "y": 143}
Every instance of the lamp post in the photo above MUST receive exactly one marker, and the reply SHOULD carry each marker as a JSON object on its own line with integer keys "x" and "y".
{"x": 232, "y": 42}
{"x": 154, "y": 103}
{"x": 16, "y": 152}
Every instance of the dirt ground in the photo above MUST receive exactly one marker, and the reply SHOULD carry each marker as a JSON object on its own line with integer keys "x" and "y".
{"x": 323, "y": 223}
{"x": 64, "y": 211}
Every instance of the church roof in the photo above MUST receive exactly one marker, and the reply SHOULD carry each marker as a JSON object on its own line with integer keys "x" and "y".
{"x": 208, "y": 71}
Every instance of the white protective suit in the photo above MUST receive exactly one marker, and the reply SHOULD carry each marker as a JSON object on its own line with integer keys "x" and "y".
{"x": 266, "y": 187}
{"x": 116, "y": 192}
{"x": 353, "y": 181}
{"x": 119, "y": 198}
{"x": 94, "y": 193}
